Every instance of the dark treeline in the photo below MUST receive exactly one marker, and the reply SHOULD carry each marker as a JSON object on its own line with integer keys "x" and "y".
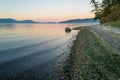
{"x": 107, "y": 10}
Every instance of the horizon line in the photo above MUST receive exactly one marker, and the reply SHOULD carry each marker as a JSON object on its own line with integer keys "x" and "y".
{"x": 47, "y": 21}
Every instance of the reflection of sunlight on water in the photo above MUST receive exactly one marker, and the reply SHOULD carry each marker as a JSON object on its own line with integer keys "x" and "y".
{"x": 34, "y": 30}
{"x": 26, "y": 46}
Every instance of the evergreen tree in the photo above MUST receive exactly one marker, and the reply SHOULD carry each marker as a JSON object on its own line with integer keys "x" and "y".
{"x": 107, "y": 11}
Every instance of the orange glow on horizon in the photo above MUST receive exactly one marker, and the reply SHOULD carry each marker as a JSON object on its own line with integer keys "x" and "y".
{"x": 56, "y": 19}
{"x": 44, "y": 11}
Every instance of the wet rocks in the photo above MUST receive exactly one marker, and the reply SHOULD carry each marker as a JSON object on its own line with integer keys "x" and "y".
{"x": 67, "y": 29}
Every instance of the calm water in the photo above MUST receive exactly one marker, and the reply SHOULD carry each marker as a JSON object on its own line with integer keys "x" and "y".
{"x": 32, "y": 51}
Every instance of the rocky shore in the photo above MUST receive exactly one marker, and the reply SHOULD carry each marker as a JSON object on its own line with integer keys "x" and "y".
{"x": 95, "y": 55}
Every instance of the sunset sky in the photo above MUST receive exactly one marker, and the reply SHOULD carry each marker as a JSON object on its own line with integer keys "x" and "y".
{"x": 45, "y": 10}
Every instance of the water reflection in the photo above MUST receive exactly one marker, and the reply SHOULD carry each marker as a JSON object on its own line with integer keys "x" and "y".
{"x": 35, "y": 50}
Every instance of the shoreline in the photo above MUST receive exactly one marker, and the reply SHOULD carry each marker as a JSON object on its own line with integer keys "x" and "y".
{"x": 91, "y": 57}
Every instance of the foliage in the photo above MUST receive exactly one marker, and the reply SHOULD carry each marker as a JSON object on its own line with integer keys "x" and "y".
{"x": 107, "y": 11}
{"x": 113, "y": 24}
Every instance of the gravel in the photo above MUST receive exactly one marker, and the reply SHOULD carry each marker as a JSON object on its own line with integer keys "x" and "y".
{"x": 111, "y": 35}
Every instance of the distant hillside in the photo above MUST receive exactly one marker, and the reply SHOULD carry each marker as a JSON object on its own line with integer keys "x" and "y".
{"x": 9, "y": 20}
{"x": 87, "y": 20}
{"x": 27, "y": 21}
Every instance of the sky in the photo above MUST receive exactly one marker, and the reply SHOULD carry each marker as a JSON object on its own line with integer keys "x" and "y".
{"x": 45, "y": 10}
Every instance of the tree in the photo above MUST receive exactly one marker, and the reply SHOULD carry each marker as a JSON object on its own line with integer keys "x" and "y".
{"x": 106, "y": 11}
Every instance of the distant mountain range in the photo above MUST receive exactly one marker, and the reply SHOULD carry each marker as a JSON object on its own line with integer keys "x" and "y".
{"x": 86, "y": 20}
{"x": 9, "y": 20}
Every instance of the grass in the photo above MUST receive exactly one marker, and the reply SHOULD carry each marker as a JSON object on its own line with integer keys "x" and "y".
{"x": 91, "y": 58}
{"x": 113, "y": 24}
